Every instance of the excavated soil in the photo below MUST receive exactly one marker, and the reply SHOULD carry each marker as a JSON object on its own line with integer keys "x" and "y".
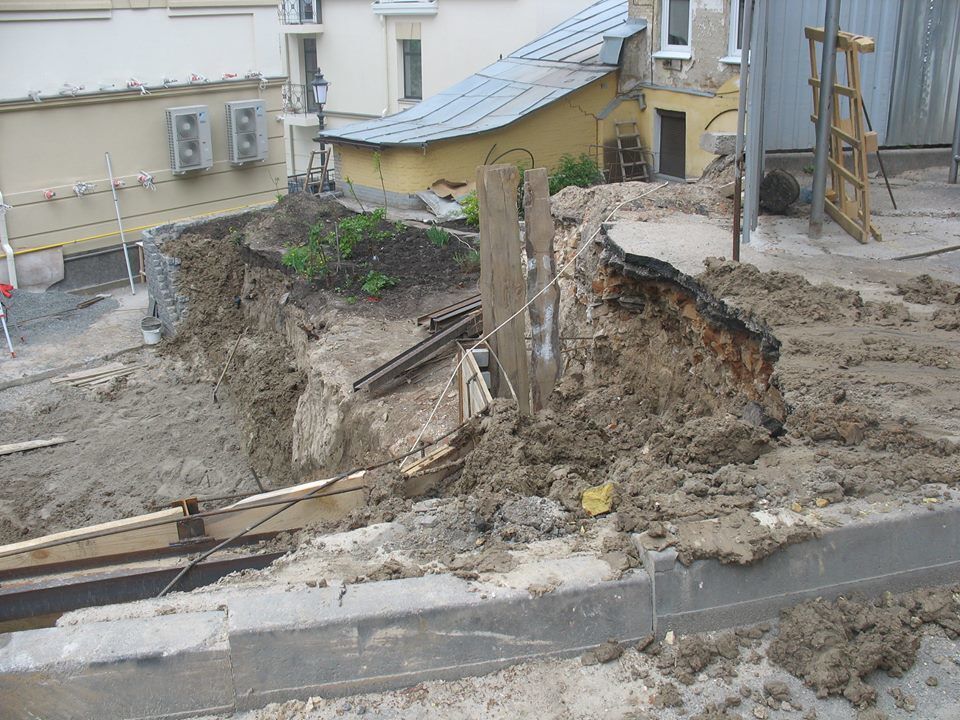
{"x": 834, "y": 646}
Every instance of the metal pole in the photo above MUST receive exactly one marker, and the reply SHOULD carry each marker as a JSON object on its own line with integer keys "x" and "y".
{"x": 741, "y": 126}
{"x": 831, "y": 25}
{"x": 123, "y": 239}
{"x": 955, "y": 162}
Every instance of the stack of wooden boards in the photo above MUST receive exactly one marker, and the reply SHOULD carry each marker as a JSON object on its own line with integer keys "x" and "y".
{"x": 97, "y": 376}
{"x": 446, "y": 325}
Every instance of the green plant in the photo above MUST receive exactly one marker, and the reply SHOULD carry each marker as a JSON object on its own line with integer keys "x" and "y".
{"x": 376, "y": 282}
{"x": 438, "y": 236}
{"x": 379, "y": 168}
{"x": 471, "y": 209}
{"x": 469, "y": 260}
{"x": 581, "y": 172}
{"x": 313, "y": 259}
{"x": 305, "y": 260}
{"x": 354, "y": 193}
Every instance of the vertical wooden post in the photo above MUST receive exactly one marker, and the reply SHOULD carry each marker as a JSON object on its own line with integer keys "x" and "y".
{"x": 541, "y": 267}
{"x": 501, "y": 279}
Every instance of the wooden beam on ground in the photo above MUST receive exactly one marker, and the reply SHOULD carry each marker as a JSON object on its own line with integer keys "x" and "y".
{"x": 11, "y": 448}
{"x": 84, "y": 547}
{"x": 428, "y": 474}
{"x": 423, "y": 350}
{"x": 306, "y": 512}
{"x": 541, "y": 268}
{"x": 502, "y": 285}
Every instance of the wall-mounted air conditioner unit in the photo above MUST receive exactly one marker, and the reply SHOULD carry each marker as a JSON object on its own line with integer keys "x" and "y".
{"x": 246, "y": 131}
{"x": 188, "y": 132}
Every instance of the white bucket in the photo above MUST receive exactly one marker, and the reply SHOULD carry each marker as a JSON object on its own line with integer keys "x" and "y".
{"x": 150, "y": 327}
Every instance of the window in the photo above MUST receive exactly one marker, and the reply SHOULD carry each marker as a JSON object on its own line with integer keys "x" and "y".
{"x": 735, "y": 43}
{"x": 309, "y": 69}
{"x": 412, "y": 70}
{"x": 675, "y": 30}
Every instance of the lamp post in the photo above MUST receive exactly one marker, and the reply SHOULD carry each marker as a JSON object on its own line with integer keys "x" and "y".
{"x": 320, "y": 86}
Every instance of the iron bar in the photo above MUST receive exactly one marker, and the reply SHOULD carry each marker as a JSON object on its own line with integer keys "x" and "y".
{"x": 828, "y": 63}
{"x": 741, "y": 126}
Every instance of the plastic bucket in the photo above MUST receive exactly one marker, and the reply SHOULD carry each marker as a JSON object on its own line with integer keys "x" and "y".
{"x": 150, "y": 327}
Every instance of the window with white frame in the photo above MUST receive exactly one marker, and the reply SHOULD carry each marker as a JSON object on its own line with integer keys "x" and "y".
{"x": 675, "y": 30}
{"x": 735, "y": 43}
{"x": 412, "y": 70}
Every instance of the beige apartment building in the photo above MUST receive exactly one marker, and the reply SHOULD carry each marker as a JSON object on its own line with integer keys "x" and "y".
{"x": 185, "y": 95}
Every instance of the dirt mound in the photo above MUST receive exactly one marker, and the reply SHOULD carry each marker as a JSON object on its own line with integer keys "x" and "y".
{"x": 833, "y": 646}
{"x": 263, "y": 375}
{"x": 777, "y": 297}
{"x": 926, "y": 290}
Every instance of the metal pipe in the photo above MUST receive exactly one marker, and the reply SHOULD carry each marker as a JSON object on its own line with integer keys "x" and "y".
{"x": 828, "y": 63}
{"x": 741, "y": 125}
{"x": 123, "y": 238}
{"x": 7, "y": 247}
{"x": 955, "y": 162}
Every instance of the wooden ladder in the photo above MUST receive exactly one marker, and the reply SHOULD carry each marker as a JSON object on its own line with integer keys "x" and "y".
{"x": 848, "y": 198}
{"x": 630, "y": 151}
{"x": 307, "y": 181}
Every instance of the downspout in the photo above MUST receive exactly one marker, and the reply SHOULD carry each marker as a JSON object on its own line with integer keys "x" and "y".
{"x": 747, "y": 23}
{"x": 386, "y": 61}
{"x": 955, "y": 162}
{"x": 5, "y": 243}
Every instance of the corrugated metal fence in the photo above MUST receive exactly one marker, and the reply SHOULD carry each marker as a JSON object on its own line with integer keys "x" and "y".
{"x": 910, "y": 83}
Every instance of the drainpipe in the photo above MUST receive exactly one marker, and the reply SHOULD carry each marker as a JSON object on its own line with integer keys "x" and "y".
{"x": 956, "y": 144}
{"x": 831, "y": 25}
{"x": 747, "y": 21}
{"x": 8, "y": 248}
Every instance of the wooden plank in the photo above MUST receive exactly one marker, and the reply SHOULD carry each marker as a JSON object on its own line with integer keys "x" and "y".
{"x": 544, "y": 311}
{"x": 11, "y": 448}
{"x": 83, "y": 374}
{"x": 329, "y": 509}
{"x": 858, "y": 233}
{"x": 412, "y": 357}
{"x": 845, "y": 41}
{"x": 85, "y": 547}
{"x": 474, "y": 394}
{"x": 427, "y": 474}
{"x": 502, "y": 285}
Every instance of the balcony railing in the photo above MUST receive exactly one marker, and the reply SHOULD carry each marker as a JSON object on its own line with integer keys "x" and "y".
{"x": 404, "y": 7}
{"x": 298, "y": 99}
{"x": 300, "y": 12}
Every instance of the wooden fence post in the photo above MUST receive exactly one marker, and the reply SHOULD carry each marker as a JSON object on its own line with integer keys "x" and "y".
{"x": 541, "y": 267}
{"x": 501, "y": 280}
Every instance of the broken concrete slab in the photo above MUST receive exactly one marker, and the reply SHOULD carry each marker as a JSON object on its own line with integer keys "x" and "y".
{"x": 718, "y": 143}
{"x": 168, "y": 666}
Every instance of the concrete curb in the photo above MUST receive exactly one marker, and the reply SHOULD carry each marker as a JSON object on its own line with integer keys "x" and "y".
{"x": 264, "y": 646}
{"x": 269, "y": 645}
{"x": 895, "y": 551}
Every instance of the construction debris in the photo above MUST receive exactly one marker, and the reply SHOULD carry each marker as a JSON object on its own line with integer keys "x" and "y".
{"x": 98, "y": 376}
{"x": 11, "y": 448}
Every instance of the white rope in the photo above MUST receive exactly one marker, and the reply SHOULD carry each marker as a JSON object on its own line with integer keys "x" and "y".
{"x": 519, "y": 312}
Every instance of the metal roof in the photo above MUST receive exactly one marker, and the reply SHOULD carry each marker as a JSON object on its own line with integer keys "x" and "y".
{"x": 556, "y": 64}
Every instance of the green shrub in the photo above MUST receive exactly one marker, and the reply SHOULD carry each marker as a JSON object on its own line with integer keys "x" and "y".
{"x": 376, "y": 282}
{"x": 468, "y": 261}
{"x": 581, "y": 172}
{"x": 311, "y": 260}
{"x": 438, "y": 236}
{"x": 471, "y": 208}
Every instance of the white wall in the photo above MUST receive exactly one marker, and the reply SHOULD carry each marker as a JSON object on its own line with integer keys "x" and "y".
{"x": 43, "y": 50}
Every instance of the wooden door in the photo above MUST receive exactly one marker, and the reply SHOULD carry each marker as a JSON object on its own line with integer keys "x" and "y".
{"x": 673, "y": 143}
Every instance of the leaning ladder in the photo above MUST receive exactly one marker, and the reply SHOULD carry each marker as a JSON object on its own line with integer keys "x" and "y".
{"x": 630, "y": 151}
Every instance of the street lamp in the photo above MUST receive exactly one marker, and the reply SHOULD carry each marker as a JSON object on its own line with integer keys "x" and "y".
{"x": 320, "y": 87}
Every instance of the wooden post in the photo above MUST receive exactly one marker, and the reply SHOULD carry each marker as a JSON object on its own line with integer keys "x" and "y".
{"x": 541, "y": 267}
{"x": 501, "y": 280}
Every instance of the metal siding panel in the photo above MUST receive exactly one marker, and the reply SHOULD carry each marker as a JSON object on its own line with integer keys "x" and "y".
{"x": 789, "y": 96}
{"x": 927, "y": 76}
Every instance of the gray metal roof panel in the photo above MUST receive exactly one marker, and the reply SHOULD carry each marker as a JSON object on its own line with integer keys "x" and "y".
{"x": 561, "y": 61}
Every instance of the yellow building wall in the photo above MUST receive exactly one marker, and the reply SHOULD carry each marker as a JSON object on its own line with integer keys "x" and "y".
{"x": 54, "y": 144}
{"x": 568, "y": 126}
{"x": 571, "y": 126}
{"x": 703, "y": 114}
